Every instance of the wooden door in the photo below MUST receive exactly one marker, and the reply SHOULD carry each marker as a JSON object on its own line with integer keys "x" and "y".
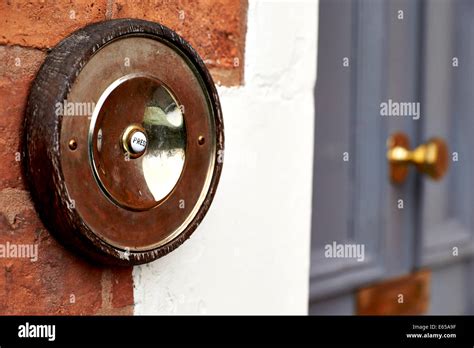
{"x": 372, "y": 52}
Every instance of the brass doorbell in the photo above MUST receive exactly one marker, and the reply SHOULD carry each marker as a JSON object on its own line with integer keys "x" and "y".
{"x": 123, "y": 141}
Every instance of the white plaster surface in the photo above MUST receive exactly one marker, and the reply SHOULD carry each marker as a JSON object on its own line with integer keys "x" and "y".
{"x": 251, "y": 253}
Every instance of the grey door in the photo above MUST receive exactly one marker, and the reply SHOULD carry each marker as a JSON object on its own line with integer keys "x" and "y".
{"x": 372, "y": 52}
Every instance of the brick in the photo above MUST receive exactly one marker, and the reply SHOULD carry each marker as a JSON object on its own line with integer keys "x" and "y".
{"x": 43, "y": 23}
{"x": 43, "y": 286}
{"x": 215, "y": 28}
{"x": 14, "y": 202}
{"x": 117, "y": 292}
{"x": 122, "y": 288}
{"x": 59, "y": 282}
{"x": 19, "y": 66}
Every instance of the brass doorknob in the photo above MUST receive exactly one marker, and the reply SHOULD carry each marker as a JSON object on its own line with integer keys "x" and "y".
{"x": 430, "y": 158}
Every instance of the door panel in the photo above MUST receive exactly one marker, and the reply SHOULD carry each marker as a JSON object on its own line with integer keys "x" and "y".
{"x": 353, "y": 201}
{"x": 404, "y": 59}
{"x": 448, "y": 104}
{"x": 338, "y": 149}
{"x": 402, "y": 85}
{"x": 447, "y": 226}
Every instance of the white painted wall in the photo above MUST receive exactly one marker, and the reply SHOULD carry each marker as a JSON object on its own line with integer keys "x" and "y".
{"x": 251, "y": 255}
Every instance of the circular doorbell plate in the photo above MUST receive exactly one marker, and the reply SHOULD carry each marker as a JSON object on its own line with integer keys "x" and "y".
{"x": 123, "y": 141}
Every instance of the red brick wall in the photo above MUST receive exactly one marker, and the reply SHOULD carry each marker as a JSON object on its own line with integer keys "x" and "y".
{"x": 59, "y": 282}
{"x": 215, "y": 28}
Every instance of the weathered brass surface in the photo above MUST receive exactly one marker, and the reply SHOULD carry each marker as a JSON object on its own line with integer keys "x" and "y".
{"x": 124, "y": 152}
